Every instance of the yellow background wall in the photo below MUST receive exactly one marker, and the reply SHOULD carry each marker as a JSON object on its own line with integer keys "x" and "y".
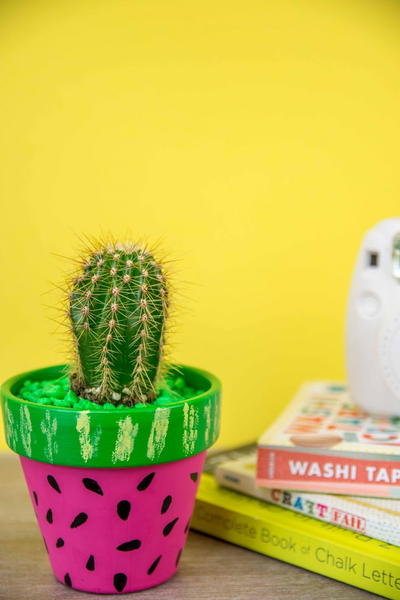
{"x": 257, "y": 139}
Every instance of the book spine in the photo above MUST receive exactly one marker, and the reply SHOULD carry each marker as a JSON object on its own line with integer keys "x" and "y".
{"x": 298, "y": 548}
{"x": 308, "y": 471}
{"x": 321, "y": 507}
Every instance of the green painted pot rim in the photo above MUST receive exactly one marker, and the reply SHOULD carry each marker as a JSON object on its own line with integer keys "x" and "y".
{"x": 111, "y": 438}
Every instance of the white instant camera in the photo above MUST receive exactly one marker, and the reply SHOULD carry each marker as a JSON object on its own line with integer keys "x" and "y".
{"x": 373, "y": 322}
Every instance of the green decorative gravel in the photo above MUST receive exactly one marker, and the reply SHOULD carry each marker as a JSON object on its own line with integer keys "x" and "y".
{"x": 57, "y": 392}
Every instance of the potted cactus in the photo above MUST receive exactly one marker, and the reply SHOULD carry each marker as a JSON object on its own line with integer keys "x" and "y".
{"x": 112, "y": 445}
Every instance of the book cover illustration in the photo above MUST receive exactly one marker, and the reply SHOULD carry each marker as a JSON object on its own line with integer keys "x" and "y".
{"x": 375, "y": 517}
{"x": 323, "y": 442}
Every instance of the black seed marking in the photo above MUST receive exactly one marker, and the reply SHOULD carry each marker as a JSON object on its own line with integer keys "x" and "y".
{"x": 131, "y": 545}
{"x": 92, "y": 485}
{"x": 67, "y": 580}
{"x": 154, "y": 565}
{"x": 120, "y": 580}
{"x": 166, "y": 504}
{"x": 146, "y": 481}
{"x": 59, "y": 543}
{"x": 49, "y": 516}
{"x": 53, "y": 483}
{"x": 168, "y": 528}
{"x": 90, "y": 563}
{"x": 123, "y": 509}
{"x": 36, "y": 498}
{"x": 178, "y": 558}
{"x": 79, "y": 520}
{"x": 194, "y": 476}
{"x": 187, "y": 526}
{"x": 45, "y": 545}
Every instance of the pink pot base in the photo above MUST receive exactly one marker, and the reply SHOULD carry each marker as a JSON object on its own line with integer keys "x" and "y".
{"x": 111, "y": 531}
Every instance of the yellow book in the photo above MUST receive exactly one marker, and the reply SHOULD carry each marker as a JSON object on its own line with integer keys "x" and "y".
{"x": 318, "y": 546}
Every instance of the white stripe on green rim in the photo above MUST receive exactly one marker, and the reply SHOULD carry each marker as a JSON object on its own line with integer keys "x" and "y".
{"x": 111, "y": 438}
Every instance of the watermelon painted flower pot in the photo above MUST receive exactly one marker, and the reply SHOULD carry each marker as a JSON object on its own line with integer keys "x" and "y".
{"x": 113, "y": 490}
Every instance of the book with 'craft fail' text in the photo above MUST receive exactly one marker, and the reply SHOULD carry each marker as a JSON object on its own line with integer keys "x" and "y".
{"x": 297, "y": 539}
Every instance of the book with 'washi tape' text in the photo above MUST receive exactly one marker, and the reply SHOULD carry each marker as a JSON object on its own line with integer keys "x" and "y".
{"x": 323, "y": 442}
{"x": 375, "y": 517}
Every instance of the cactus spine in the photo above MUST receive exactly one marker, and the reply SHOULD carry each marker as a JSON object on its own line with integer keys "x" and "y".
{"x": 118, "y": 308}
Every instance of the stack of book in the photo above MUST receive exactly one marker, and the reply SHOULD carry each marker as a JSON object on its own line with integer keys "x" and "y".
{"x": 321, "y": 490}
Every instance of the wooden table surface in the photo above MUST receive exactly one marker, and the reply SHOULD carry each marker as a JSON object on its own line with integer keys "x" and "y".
{"x": 209, "y": 568}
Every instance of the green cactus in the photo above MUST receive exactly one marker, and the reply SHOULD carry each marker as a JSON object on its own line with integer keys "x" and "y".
{"x": 118, "y": 306}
